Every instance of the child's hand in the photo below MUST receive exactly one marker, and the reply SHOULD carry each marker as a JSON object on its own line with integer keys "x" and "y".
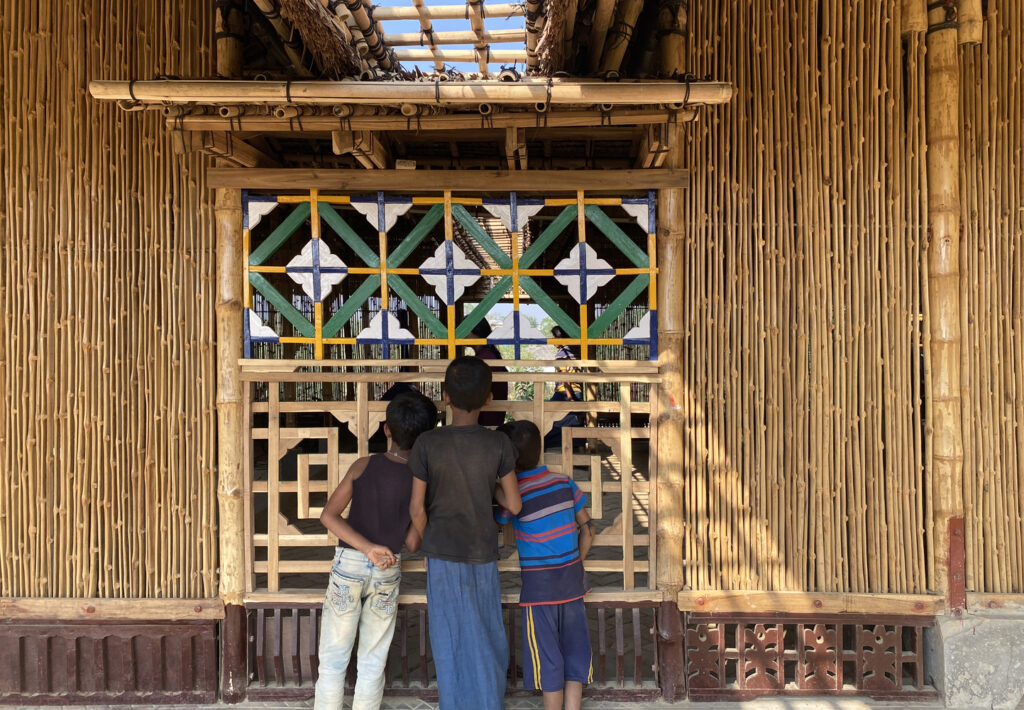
{"x": 381, "y": 556}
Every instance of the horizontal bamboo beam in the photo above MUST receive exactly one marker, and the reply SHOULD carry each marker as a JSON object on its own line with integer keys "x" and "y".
{"x": 526, "y": 91}
{"x": 734, "y": 602}
{"x": 316, "y": 596}
{"x": 111, "y": 609}
{"x": 439, "y": 376}
{"x": 420, "y": 39}
{"x": 434, "y": 180}
{"x": 623, "y": 366}
{"x": 453, "y": 121}
{"x": 486, "y": 55}
{"x": 445, "y": 12}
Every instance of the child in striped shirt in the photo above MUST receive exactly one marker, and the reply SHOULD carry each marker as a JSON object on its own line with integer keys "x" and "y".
{"x": 553, "y": 534}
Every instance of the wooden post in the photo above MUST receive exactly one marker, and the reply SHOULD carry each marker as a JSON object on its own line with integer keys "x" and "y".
{"x": 670, "y": 425}
{"x": 943, "y": 164}
{"x": 230, "y": 427}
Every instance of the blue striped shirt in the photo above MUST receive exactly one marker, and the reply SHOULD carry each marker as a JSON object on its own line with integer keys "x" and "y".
{"x": 547, "y": 537}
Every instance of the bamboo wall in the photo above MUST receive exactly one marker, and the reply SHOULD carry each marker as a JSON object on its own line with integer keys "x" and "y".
{"x": 107, "y": 429}
{"x": 804, "y": 452}
{"x": 806, "y": 460}
{"x": 992, "y": 273}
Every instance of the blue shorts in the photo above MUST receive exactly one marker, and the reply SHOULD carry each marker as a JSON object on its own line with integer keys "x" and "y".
{"x": 556, "y": 646}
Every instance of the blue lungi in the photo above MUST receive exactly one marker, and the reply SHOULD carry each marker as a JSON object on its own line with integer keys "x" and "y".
{"x": 467, "y": 635}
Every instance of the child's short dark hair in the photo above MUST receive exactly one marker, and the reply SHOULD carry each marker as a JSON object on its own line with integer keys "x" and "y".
{"x": 467, "y": 382}
{"x": 408, "y": 415}
{"x": 525, "y": 437}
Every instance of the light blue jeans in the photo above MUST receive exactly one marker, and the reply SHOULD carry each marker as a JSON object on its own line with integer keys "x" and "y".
{"x": 364, "y": 598}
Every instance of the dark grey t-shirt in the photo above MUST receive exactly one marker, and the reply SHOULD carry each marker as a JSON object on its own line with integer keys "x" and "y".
{"x": 461, "y": 464}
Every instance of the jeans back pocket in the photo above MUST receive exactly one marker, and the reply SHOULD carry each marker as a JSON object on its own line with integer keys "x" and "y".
{"x": 385, "y": 597}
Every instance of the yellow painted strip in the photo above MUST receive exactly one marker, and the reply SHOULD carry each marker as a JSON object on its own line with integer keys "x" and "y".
{"x": 427, "y": 200}
{"x": 267, "y": 270}
{"x": 339, "y": 341}
{"x": 336, "y": 199}
{"x": 652, "y": 288}
{"x": 314, "y": 213}
{"x": 318, "y": 325}
{"x": 451, "y": 332}
{"x": 295, "y": 340}
{"x": 632, "y": 271}
{"x": 246, "y": 286}
{"x": 404, "y": 271}
{"x": 382, "y": 240}
{"x": 292, "y": 199}
{"x": 584, "y": 342}
{"x": 365, "y": 270}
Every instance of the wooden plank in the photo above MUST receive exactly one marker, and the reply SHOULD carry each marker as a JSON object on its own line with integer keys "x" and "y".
{"x": 549, "y": 181}
{"x": 1008, "y": 602}
{"x": 438, "y": 366}
{"x": 273, "y": 483}
{"x": 599, "y": 595}
{"x": 439, "y": 377}
{"x": 809, "y": 602}
{"x": 626, "y": 478}
{"x": 89, "y": 609}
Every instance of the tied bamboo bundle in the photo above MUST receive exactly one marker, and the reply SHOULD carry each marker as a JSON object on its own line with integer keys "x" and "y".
{"x": 328, "y": 44}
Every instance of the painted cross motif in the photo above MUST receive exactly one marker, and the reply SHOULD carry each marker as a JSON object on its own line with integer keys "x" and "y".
{"x": 583, "y": 272}
{"x": 449, "y": 272}
{"x": 385, "y": 330}
{"x": 316, "y": 270}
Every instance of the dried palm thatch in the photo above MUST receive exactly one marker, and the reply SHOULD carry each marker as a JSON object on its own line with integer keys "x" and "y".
{"x": 322, "y": 37}
{"x": 551, "y": 47}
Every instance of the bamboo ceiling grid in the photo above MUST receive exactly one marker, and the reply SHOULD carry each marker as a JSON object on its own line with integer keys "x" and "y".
{"x": 107, "y": 429}
{"x": 992, "y": 264}
{"x": 804, "y": 458}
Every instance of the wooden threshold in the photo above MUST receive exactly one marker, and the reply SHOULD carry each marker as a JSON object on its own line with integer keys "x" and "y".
{"x": 989, "y": 602}
{"x": 67, "y": 609}
{"x": 732, "y": 602}
{"x": 435, "y": 180}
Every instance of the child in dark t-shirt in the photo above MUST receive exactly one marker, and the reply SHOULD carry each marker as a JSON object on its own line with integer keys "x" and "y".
{"x": 456, "y": 469}
{"x": 553, "y": 533}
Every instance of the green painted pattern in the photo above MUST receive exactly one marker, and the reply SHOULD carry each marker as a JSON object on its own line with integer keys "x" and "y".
{"x": 482, "y": 238}
{"x": 284, "y": 230}
{"x": 348, "y": 235}
{"x": 412, "y": 240}
{"x": 284, "y": 307}
{"x": 417, "y": 305}
{"x": 547, "y": 304}
{"x": 627, "y": 246}
{"x": 635, "y": 288}
{"x": 542, "y": 242}
{"x": 465, "y": 328}
{"x": 351, "y": 305}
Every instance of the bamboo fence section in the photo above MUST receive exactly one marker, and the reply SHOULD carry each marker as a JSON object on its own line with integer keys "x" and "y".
{"x": 992, "y": 300}
{"x": 802, "y": 347}
{"x": 107, "y": 429}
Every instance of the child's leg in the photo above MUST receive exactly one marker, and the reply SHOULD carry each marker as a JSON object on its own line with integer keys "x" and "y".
{"x": 376, "y": 628}
{"x": 467, "y": 635}
{"x": 573, "y": 694}
{"x": 338, "y": 626}
{"x": 553, "y": 701}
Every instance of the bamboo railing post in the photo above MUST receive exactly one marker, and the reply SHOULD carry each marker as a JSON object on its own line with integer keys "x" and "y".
{"x": 670, "y": 424}
{"x": 944, "y": 397}
{"x": 230, "y": 427}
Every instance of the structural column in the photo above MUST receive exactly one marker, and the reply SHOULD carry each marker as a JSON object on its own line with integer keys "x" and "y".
{"x": 230, "y": 427}
{"x": 942, "y": 85}
{"x": 670, "y": 427}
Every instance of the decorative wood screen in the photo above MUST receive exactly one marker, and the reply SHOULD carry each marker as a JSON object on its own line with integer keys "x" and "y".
{"x": 283, "y": 503}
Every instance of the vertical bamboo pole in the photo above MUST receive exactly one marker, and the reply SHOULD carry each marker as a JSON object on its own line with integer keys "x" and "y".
{"x": 671, "y": 36}
{"x": 670, "y": 394}
{"x": 230, "y": 427}
{"x": 969, "y": 22}
{"x": 944, "y": 397}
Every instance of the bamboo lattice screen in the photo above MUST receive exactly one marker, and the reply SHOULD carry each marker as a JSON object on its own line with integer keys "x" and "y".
{"x": 107, "y": 429}
{"x": 992, "y": 269}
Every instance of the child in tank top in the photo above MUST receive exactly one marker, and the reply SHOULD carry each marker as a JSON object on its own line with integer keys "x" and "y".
{"x": 363, "y": 591}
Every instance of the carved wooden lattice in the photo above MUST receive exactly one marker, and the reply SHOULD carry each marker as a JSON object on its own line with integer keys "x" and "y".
{"x": 298, "y": 452}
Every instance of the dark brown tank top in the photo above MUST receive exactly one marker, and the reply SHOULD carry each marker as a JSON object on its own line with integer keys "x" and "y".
{"x": 380, "y": 502}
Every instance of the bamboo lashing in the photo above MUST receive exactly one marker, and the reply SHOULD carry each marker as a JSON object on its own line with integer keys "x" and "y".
{"x": 374, "y": 40}
{"x": 481, "y": 56}
{"x": 534, "y": 26}
{"x": 422, "y": 38}
{"x": 526, "y": 91}
{"x": 292, "y": 47}
{"x": 942, "y": 126}
{"x": 475, "y": 13}
{"x": 446, "y": 12}
{"x": 426, "y": 34}
{"x": 621, "y": 34}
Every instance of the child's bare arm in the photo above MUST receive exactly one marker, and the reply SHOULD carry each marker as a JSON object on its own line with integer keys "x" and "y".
{"x": 417, "y": 506}
{"x": 499, "y": 494}
{"x": 413, "y": 539}
{"x": 509, "y": 487}
{"x": 586, "y": 526}
{"x": 332, "y": 520}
